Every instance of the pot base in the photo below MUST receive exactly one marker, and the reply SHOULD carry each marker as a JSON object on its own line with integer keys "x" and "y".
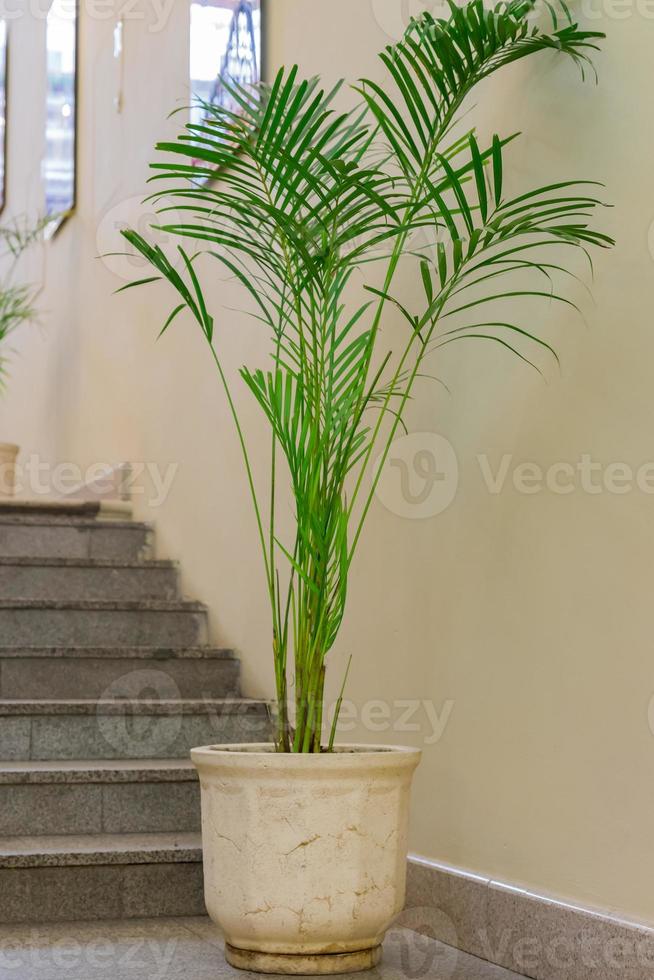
{"x": 321, "y": 965}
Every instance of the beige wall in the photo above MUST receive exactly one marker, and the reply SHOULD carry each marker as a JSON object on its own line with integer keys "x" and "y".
{"x": 532, "y": 613}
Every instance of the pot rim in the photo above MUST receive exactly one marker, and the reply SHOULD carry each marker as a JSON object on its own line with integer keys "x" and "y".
{"x": 262, "y": 754}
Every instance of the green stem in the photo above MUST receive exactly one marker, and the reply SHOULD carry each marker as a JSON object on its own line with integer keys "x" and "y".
{"x": 246, "y": 459}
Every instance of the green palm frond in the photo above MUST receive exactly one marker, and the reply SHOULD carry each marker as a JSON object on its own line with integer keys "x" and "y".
{"x": 17, "y": 301}
{"x": 439, "y": 62}
{"x": 309, "y": 198}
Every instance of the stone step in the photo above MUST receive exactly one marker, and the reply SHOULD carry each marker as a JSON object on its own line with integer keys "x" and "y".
{"x": 105, "y": 797}
{"x": 25, "y": 622}
{"x": 74, "y": 771}
{"x": 55, "y": 536}
{"x": 83, "y": 578}
{"x": 36, "y": 673}
{"x": 126, "y": 729}
{"x": 91, "y": 877}
{"x": 41, "y": 507}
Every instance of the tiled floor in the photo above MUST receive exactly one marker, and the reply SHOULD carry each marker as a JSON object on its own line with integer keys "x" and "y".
{"x": 191, "y": 949}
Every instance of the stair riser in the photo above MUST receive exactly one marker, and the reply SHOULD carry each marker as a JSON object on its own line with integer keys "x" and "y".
{"x": 47, "y": 737}
{"x": 20, "y": 582}
{"x": 101, "y": 892}
{"x": 96, "y": 627}
{"x": 68, "y": 541}
{"x": 59, "y": 678}
{"x": 115, "y": 808}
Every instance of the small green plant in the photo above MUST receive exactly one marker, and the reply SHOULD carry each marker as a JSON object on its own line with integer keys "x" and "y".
{"x": 314, "y": 213}
{"x": 17, "y": 300}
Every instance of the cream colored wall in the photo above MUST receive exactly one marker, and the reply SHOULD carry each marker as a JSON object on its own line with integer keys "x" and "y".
{"x": 532, "y": 613}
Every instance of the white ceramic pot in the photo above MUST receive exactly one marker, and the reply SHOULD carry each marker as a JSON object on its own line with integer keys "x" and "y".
{"x": 304, "y": 855}
{"x": 8, "y": 455}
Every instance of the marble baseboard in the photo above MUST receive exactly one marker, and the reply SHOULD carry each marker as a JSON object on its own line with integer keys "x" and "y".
{"x": 536, "y": 936}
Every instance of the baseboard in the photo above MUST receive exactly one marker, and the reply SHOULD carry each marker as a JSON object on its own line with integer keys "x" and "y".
{"x": 536, "y": 936}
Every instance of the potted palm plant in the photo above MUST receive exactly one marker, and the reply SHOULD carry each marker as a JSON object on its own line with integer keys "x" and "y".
{"x": 316, "y": 213}
{"x": 16, "y": 308}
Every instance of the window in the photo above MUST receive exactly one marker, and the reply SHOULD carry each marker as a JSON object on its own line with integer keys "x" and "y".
{"x": 61, "y": 119}
{"x": 225, "y": 40}
{"x": 3, "y": 113}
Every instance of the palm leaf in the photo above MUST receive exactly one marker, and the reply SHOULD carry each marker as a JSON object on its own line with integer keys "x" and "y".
{"x": 311, "y": 199}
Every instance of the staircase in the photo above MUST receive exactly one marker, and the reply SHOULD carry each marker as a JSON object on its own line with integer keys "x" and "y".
{"x": 107, "y": 680}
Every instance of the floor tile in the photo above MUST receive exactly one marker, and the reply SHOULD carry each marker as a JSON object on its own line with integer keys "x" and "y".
{"x": 191, "y": 949}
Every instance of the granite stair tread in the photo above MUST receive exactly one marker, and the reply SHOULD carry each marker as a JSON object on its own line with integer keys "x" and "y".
{"x": 90, "y": 622}
{"x": 70, "y": 520}
{"x": 78, "y": 771}
{"x": 106, "y": 798}
{"x": 108, "y": 677}
{"x": 71, "y": 673}
{"x": 36, "y": 534}
{"x": 26, "y": 561}
{"x": 106, "y": 605}
{"x": 119, "y": 653}
{"x": 99, "y": 849}
{"x": 65, "y": 508}
{"x": 127, "y": 728}
{"x": 117, "y": 706}
{"x": 87, "y": 579}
